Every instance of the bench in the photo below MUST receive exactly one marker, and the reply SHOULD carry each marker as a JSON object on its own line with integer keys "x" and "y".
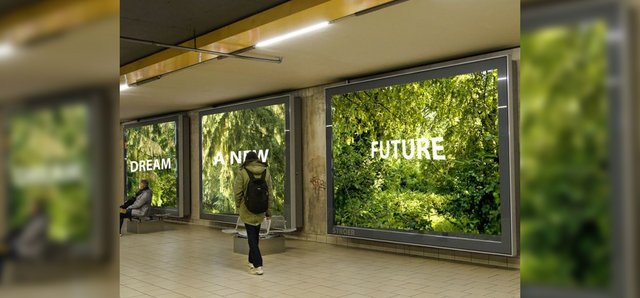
{"x": 146, "y": 224}
{"x": 271, "y": 236}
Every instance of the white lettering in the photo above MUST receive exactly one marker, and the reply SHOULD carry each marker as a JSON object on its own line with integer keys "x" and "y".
{"x": 49, "y": 174}
{"x": 244, "y": 154}
{"x": 404, "y": 149}
{"x": 166, "y": 164}
{"x": 382, "y": 154}
{"x": 239, "y": 156}
{"x": 374, "y": 148}
{"x": 263, "y": 154}
{"x": 236, "y": 157}
{"x": 218, "y": 159}
{"x": 395, "y": 148}
{"x": 149, "y": 165}
{"x": 423, "y": 148}
{"x": 435, "y": 148}
{"x": 134, "y": 166}
{"x": 413, "y": 148}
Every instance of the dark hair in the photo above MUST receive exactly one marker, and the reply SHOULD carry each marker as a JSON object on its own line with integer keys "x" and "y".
{"x": 145, "y": 182}
{"x": 251, "y": 156}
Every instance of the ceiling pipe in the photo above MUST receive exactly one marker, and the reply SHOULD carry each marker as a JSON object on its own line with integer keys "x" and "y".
{"x": 379, "y": 7}
{"x": 230, "y": 55}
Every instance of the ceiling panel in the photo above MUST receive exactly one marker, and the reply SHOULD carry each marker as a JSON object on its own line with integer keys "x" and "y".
{"x": 72, "y": 59}
{"x": 408, "y": 34}
{"x": 175, "y": 21}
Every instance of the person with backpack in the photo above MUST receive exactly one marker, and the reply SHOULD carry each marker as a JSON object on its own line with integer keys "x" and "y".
{"x": 253, "y": 196}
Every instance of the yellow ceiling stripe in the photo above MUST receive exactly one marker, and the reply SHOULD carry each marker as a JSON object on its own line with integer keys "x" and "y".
{"x": 244, "y": 34}
{"x": 50, "y": 17}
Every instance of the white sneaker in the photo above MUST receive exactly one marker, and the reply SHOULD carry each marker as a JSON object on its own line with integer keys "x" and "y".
{"x": 256, "y": 271}
{"x": 250, "y": 266}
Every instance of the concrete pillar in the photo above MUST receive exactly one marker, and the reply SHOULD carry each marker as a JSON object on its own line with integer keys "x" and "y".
{"x": 314, "y": 160}
{"x": 195, "y": 165}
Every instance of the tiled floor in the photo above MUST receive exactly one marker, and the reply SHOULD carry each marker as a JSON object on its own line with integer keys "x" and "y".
{"x": 194, "y": 261}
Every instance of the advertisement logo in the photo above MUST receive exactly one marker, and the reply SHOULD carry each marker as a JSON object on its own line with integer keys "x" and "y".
{"x": 237, "y": 157}
{"x": 410, "y": 149}
{"x": 150, "y": 165}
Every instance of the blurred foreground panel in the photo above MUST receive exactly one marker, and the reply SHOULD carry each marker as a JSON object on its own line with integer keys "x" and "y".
{"x": 578, "y": 146}
{"x": 52, "y": 46}
{"x": 58, "y": 119}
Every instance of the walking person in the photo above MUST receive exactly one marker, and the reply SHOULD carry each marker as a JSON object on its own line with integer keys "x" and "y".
{"x": 254, "y": 197}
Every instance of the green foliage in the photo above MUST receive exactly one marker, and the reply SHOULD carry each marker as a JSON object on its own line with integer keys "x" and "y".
{"x": 149, "y": 142}
{"x": 565, "y": 191}
{"x": 48, "y": 161}
{"x": 459, "y": 194}
{"x": 403, "y": 211}
{"x": 249, "y": 129}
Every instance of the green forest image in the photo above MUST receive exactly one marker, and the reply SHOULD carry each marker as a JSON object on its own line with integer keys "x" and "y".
{"x": 48, "y": 162}
{"x": 419, "y": 157}
{"x": 153, "y": 142}
{"x": 226, "y": 137}
{"x": 565, "y": 190}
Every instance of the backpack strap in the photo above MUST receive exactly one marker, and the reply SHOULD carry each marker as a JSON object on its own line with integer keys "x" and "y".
{"x": 251, "y": 176}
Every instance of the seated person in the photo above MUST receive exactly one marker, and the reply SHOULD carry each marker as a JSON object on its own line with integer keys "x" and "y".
{"x": 137, "y": 206}
{"x": 29, "y": 241}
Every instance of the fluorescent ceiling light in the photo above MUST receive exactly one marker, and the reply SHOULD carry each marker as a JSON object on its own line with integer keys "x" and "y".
{"x": 292, "y": 34}
{"x": 6, "y": 49}
{"x": 124, "y": 87}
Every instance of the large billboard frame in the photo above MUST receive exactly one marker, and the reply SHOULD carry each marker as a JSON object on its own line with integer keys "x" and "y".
{"x": 539, "y": 16}
{"x": 293, "y": 211}
{"x": 94, "y": 100}
{"x": 507, "y": 131}
{"x": 182, "y": 135}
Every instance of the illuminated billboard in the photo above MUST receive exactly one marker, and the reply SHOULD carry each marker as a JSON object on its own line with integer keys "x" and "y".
{"x": 227, "y": 135}
{"x": 152, "y": 152}
{"x": 575, "y": 129}
{"x": 422, "y": 157}
{"x": 55, "y": 188}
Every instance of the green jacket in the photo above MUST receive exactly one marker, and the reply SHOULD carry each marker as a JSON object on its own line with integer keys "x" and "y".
{"x": 240, "y": 186}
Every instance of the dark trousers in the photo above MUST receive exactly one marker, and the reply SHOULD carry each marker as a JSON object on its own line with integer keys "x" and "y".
{"x": 9, "y": 251}
{"x": 123, "y": 216}
{"x": 3, "y": 259}
{"x": 253, "y": 236}
{"x": 128, "y": 203}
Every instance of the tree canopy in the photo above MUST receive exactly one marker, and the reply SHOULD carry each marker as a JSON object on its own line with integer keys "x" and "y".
{"x": 153, "y": 142}
{"x": 564, "y": 152}
{"x": 458, "y": 194}
{"x": 261, "y": 128}
{"x": 49, "y": 162}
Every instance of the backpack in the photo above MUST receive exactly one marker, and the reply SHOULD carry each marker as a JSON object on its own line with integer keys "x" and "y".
{"x": 256, "y": 197}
